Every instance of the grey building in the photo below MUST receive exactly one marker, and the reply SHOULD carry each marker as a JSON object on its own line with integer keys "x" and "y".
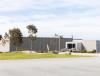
{"x": 41, "y": 43}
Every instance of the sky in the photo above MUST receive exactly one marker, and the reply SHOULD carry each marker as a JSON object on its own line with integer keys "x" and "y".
{"x": 80, "y": 18}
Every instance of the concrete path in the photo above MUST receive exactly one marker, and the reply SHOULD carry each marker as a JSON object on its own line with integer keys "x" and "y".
{"x": 51, "y": 67}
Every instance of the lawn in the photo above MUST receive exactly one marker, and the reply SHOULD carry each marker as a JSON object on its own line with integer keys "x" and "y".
{"x": 20, "y": 55}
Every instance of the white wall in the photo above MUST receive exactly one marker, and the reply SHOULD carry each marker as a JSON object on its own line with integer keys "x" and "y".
{"x": 89, "y": 45}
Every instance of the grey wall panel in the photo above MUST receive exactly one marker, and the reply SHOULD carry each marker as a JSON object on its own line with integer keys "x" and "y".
{"x": 98, "y": 46}
{"x": 40, "y": 44}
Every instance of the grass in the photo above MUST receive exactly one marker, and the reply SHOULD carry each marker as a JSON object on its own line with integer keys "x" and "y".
{"x": 20, "y": 55}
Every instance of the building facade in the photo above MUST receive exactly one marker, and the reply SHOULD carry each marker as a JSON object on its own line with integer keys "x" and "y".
{"x": 88, "y": 45}
{"x": 43, "y": 44}
{"x": 40, "y": 44}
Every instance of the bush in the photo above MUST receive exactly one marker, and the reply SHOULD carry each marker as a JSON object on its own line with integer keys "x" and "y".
{"x": 22, "y": 49}
{"x": 83, "y": 51}
{"x": 50, "y": 52}
{"x": 55, "y": 52}
{"x": 1, "y": 52}
{"x": 93, "y": 51}
{"x": 41, "y": 51}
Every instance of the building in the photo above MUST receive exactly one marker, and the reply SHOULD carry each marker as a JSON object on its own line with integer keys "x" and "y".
{"x": 88, "y": 45}
{"x": 43, "y": 44}
{"x": 40, "y": 44}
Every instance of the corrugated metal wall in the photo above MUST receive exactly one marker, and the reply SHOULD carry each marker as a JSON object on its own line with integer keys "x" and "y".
{"x": 40, "y": 44}
{"x": 97, "y": 46}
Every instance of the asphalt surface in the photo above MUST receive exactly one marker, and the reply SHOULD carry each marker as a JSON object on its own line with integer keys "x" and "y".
{"x": 51, "y": 67}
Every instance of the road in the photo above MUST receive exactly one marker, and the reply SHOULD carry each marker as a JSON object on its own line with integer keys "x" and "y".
{"x": 51, "y": 67}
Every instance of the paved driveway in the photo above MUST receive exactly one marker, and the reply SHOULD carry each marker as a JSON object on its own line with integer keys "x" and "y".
{"x": 51, "y": 67}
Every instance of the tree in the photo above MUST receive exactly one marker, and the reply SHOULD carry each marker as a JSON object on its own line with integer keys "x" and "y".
{"x": 16, "y": 37}
{"x": 6, "y": 36}
{"x": 32, "y": 30}
{"x": 0, "y": 37}
{"x": 5, "y": 39}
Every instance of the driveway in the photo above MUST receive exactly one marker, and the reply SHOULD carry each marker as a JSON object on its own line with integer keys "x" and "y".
{"x": 51, "y": 67}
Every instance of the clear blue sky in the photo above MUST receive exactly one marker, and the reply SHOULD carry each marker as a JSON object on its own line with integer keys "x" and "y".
{"x": 80, "y": 18}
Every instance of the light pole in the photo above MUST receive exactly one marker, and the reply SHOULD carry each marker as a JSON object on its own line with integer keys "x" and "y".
{"x": 72, "y": 43}
{"x": 59, "y": 41}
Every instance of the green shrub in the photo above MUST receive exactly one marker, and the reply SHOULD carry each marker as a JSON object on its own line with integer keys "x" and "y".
{"x": 93, "y": 51}
{"x": 41, "y": 51}
{"x": 63, "y": 50}
{"x": 22, "y": 49}
{"x": 55, "y": 52}
{"x": 50, "y": 51}
{"x": 83, "y": 51}
{"x": 1, "y": 52}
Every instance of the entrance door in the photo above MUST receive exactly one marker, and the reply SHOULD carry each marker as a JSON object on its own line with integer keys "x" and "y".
{"x": 71, "y": 46}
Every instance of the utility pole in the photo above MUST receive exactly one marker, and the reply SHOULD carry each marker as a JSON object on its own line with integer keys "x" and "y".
{"x": 72, "y": 43}
{"x": 59, "y": 41}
